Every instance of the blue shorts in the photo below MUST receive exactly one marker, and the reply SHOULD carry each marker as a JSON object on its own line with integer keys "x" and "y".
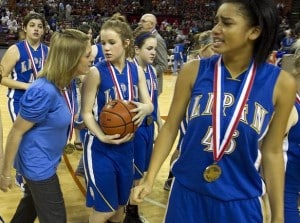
{"x": 109, "y": 173}
{"x": 291, "y": 211}
{"x": 13, "y": 108}
{"x": 187, "y": 206}
{"x": 143, "y": 146}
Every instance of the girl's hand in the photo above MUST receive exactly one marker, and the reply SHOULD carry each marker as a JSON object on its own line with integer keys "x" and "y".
{"x": 115, "y": 139}
{"x": 6, "y": 182}
{"x": 142, "y": 111}
{"x": 138, "y": 193}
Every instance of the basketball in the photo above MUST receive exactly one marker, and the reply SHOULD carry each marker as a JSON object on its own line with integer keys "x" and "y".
{"x": 116, "y": 118}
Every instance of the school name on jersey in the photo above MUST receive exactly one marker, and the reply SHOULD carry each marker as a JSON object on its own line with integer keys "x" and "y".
{"x": 112, "y": 92}
{"x": 258, "y": 116}
{"x": 26, "y": 65}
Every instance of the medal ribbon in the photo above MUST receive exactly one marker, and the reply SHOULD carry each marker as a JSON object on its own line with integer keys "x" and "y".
{"x": 35, "y": 72}
{"x": 71, "y": 107}
{"x": 219, "y": 146}
{"x": 151, "y": 90}
{"x": 298, "y": 98}
{"x": 116, "y": 83}
{"x": 151, "y": 83}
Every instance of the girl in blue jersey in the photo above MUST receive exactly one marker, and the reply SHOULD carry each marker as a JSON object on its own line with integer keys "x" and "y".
{"x": 37, "y": 138}
{"x": 292, "y": 153}
{"x": 145, "y": 44}
{"x": 23, "y": 60}
{"x": 237, "y": 108}
{"x": 108, "y": 159}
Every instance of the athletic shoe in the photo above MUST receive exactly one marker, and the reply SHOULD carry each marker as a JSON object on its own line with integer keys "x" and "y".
{"x": 19, "y": 181}
{"x": 132, "y": 215}
{"x": 168, "y": 183}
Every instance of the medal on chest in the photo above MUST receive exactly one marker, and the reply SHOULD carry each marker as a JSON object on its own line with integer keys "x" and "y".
{"x": 220, "y": 143}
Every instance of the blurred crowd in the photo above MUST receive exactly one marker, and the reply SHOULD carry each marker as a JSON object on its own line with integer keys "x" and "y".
{"x": 177, "y": 20}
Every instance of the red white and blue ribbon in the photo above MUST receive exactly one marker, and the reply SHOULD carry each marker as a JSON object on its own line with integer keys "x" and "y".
{"x": 219, "y": 146}
{"x": 151, "y": 76}
{"x": 71, "y": 107}
{"x": 116, "y": 82}
{"x": 35, "y": 72}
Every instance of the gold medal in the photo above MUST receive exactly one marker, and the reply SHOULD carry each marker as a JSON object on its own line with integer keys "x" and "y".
{"x": 212, "y": 172}
{"x": 69, "y": 148}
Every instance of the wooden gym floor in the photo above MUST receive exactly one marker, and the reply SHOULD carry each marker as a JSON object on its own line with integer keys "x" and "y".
{"x": 152, "y": 208}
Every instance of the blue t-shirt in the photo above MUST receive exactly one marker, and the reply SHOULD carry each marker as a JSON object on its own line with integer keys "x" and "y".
{"x": 41, "y": 147}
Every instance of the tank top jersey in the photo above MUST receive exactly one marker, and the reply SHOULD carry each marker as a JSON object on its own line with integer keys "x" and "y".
{"x": 107, "y": 91}
{"x": 23, "y": 71}
{"x": 240, "y": 178}
{"x": 292, "y": 150}
{"x": 100, "y": 55}
{"x": 151, "y": 81}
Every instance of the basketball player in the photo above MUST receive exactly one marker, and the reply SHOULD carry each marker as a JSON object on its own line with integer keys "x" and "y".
{"x": 292, "y": 153}
{"x": 108, "y": 159}
{"x": 37, "y": 138}
{"x": 149, "y": 22}
{"x": 145, "y": 44}
{"x": 237, "y": 108}
{"x": 23, "y": 60}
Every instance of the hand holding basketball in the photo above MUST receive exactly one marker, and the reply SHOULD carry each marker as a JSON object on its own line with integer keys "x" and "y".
{"x": 116, "y": 118}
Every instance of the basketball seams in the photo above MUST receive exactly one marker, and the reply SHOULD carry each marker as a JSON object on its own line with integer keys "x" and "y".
{"x": 126, "y": 107}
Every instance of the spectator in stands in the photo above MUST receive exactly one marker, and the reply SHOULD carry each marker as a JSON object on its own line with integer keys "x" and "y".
{"x": 287, "y": 41}
{"x": 68, "y": 12}
{"x": 148, "y": 22}
{"x": 12, "y": 24}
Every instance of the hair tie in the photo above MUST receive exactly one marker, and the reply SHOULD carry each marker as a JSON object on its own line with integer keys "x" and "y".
{"x": 141, "y": 38}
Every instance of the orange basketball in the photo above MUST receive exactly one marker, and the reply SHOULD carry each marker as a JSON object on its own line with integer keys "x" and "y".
{"x": 116, "y": 118}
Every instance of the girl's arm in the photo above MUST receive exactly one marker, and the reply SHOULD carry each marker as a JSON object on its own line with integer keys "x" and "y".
{"x": 9, "y": 60}
{"x": 19, "y": 128}
{"x": 272, "y": 151}
{"x": 168, "y": 132}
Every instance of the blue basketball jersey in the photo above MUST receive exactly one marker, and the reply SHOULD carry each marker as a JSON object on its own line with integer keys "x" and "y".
{"x": 23, "y": 70}
{"x": 154, "y": 97}
{"x": 100, "y": 55}
{"x": 109, "y": 167}
{"x": 240, "y": 178}
{"x": 144, "y": 135}
{"x": 292, "y": 182}
{"x": 107, "y": 90}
